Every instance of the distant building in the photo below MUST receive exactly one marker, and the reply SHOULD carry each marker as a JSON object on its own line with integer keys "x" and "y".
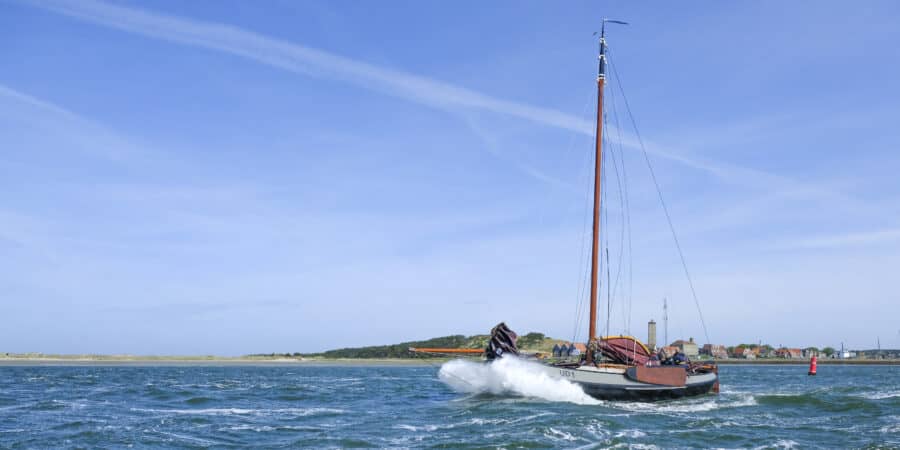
{"x": 689, "y": 348}
{"x": 577, "y": 349}
{"x": 743, "y": 353}
{"x": 665, "y": 352}
{"x": 879, "y": 354}
{"x": 669, "y": 350}
{"x": 560, "y": 349}
{"x": 651, "y": 335}
{"x": 714, "y": 350}
{"x": 567, "y": 349}
{"x": 789, "y": 353}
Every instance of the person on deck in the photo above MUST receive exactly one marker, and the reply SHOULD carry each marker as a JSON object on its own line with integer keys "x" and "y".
{"x": 679, "y": 359}
{"x": 664, "y": 358}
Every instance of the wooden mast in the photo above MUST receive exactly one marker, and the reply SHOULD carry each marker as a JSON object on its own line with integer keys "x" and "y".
{"x": 598, "y": 178}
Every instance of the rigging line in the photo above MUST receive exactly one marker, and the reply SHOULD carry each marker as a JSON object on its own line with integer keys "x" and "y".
{"x": 615, "y": 162}
{"x": 604, "y": 230}
{"x": 565, "y": 157}
{"x": 611, "y": 295}
{"x": 581, "y": 259}
{"x": 612, "y": 155}
{"x": 609, "y": 301}
{"x": 584, "y": 265}
{"x": 583, "y": 269}
{"x": 628, "y": 227}
{"x": 627, "y": 207}
{"x": 661, "y": 200}
{"x": 584, "y": 179}
{"x": 581, "y": 179}
{"x": 610, "y": 292}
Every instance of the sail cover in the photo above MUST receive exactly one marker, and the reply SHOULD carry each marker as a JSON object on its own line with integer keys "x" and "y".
{"x": 503, "y": 342}
{"x": 624, "y": 350}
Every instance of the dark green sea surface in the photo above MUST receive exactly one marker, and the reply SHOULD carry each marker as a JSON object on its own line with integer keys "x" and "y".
{"x": 409, "y": 406}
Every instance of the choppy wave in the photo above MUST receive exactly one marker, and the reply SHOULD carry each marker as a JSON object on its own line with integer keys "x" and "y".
{"x": 881, "y": 395}
{"x": 816, "y": 400}
{"x": 780, "y": 443}
{"x": 241, "y": 411}
{"x": 474, "y": 421}
{"x": 510, "y": 404}
{"x": 693, "y": 405}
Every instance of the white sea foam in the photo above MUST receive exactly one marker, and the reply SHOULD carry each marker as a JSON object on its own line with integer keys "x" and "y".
{"x": 781, "y": 443}
{"x": 557, "y": 435}
{"x": 258, "y": 428}
{"x": 597, "y": 430}
{"x": 633, "y": 446}
{"x": 630, "y": 434}
{"x": 240, "y": 411}
{"x": 477, "y": 421}
{"x": 182, "y": 437}
{"x": 880, "y": 395}
{"x": 511, "y": 376}
{"x": 419, "y": 428}
{"x": 688, "y": 406}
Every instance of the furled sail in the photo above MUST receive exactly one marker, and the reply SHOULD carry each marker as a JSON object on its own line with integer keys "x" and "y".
{"x": 503, "y": 342}
{"x": 624, "y": 350}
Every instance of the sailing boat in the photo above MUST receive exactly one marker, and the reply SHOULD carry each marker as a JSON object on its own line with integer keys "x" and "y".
{"x": 613, "y": 367}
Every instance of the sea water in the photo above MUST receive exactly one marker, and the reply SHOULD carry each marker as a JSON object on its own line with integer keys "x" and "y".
{"x": 456, "y": 404}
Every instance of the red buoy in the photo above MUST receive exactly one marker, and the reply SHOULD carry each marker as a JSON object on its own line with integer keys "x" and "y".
{"x": 812, "y": 365}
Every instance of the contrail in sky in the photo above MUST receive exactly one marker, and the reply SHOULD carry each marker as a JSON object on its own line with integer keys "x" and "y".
{"x": 304, "y": 60}
{"x": 317, "y": 63}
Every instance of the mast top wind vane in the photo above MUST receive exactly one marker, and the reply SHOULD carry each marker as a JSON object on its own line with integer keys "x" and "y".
{"x": 603, "y": 26}
{"x": 598, "y": 161}
{"x": 602, "y": 68}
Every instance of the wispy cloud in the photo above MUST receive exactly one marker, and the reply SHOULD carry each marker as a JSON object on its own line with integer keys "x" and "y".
{"x": 86, "y": 135}
{"x": 492, "y": 146}
{"x": 840, "y": 240}
{"x": 14, "y": 95}
{"x": 317, "y": 63}
{"x": 304, "y": 60}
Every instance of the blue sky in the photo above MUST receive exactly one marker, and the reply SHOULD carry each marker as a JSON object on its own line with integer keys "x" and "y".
{"x": 233, "y": 177}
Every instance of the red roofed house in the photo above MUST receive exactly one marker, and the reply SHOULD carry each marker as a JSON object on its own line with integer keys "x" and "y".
{"x": 714, "y": 350}
{"x": 577, "y": 349}
{"x": 789, "y": 353}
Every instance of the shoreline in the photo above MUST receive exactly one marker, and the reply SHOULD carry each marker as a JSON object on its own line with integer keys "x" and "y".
{"x": 116, "y": 360}
{"x": 131, "y": 360}
{"x": 802, "y": 362}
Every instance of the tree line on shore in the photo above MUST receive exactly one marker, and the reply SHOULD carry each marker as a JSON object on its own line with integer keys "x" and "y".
{"x": 530, "y": 341}
{"x": 533, "y": 341}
